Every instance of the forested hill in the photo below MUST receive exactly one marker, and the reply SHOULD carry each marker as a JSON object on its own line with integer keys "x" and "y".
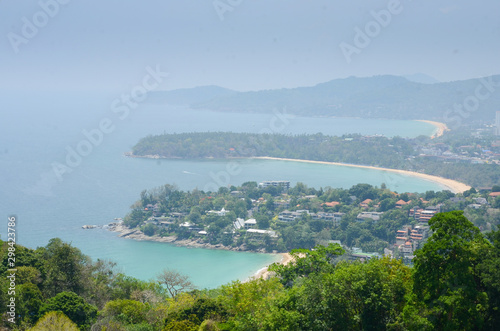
{"x": 454, "y": 285}
{"x": 354, "y": 149}
{"x": 395, "y": 153}
{"x": 369, "y": 97}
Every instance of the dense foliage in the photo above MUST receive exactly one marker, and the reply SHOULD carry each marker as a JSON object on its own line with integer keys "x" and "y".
{"x": 348, "y": 149}
{"x": 395, "y": 153}
{"x": 185, "y": 214}
{"x": 453, "y": 286}
{"x": 58, "y": 277}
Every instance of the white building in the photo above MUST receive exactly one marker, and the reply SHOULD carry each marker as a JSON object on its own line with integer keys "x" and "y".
{"x": 221, "y": 212}
{"x": 284, "y": 183}
{"x": 250, "y": 223}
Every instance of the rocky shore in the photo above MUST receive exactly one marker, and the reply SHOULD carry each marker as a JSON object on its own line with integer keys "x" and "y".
{"x": 136, "y": 234}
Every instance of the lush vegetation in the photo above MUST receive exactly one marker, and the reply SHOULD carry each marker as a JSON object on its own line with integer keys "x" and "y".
{"x": 348, "y": 149}
{"x": 454, "y": 285}
{"x": 175, "y": 208}
{"x": 395, "y": 153}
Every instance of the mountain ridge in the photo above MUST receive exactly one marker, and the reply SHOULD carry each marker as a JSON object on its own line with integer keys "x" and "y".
{"x": 382, "y": 96}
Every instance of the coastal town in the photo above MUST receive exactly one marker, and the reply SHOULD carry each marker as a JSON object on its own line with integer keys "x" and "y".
{"x": 275, "y": 217}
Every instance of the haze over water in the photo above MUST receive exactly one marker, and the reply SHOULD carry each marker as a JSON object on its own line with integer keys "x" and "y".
{"x": 106, "y": 183}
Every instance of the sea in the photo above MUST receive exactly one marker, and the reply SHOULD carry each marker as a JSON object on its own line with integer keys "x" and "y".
{"x": 63, "y": 166}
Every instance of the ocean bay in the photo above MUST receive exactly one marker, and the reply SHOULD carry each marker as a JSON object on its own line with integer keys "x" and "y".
{"x": 106, "y": 183}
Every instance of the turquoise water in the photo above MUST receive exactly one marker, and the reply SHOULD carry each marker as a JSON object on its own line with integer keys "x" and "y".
{"x": 36, "y": 131}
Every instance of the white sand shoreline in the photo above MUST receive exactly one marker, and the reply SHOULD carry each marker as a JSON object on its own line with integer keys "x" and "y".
{"x": 440, "y": 128}
{"x": 265, "y": 273}
{"x": 453, "y": 185}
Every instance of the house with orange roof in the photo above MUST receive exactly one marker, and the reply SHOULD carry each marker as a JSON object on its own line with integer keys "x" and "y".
{"x": 365, "y": 203}
{"x": 331, "y": 204}
{"x": 401, "y": 203}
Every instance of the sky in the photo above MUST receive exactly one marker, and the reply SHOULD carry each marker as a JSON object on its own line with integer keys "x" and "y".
{"x": 241, "y": 44}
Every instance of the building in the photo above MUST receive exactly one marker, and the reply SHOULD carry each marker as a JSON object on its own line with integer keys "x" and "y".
{"x": 270, "y": 233}
{"x": 288, "y": 216}
{"x": 494, "y": 194}
{"x": 426, "y": 215}
{"x": 365, "y": 203}
{"x": 481, "y": 201}
{"x": 333, "y": 217}
{"x": 408, "y": 239}
{"x": 331, "y": 204}
{"x": 239, "y": 223}
{"x": 423, "y": 215}
{"x": 282, "y": 183}
{"x": 221, "y": 212}
{"x": 401, "y": 203}
{"x": 375, "y": 216}
{"x": 153, "y": 208}
{"x": 250, "y": 223}
{"x": 281, "y": 204}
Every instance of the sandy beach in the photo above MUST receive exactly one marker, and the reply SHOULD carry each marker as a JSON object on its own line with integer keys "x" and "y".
{"x": 264, "y": 273}
{"x": 452, "y": 185}
{"x": 440, "y": 128}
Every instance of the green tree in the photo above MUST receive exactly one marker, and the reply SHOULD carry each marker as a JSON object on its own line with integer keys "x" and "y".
{"x": 126, "y": 311}
{"x": 63, "y": 267}
{"x": 219, "y": 203}
{"x": 387, "y": 204}
{"x": 55, "y": 321}
{"x": 149, "y": 229}
{"x": 29, "y": 302}
{"x": 490, "y": 277}
{"x": 446, "y": 276}
{"x": 354, "y": 296}
{"x": 262, "y": 221}
{"x": 135, "y": 218}
{"x": 175, "y": 282}
{"x": 248, "y": 304}
{"x": 73, "y": 306}
{"x": 363, "y": 192}
{"x": 305, "y": 262}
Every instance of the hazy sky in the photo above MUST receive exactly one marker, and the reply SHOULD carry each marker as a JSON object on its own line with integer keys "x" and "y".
{"x": 242, "y": 44}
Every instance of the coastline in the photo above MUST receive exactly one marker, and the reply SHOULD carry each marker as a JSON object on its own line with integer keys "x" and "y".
{"x": 453, "y": 185}
{"x": 440, "y": 128}
{"x": 135, "y": 234}
{"x": 264, "y": 273}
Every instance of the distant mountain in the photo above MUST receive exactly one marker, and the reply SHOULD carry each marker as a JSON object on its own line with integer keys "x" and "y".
{"x": 188, "y": 96}
{"x": 372, "y": 97}
{"x": 421, "y": 78}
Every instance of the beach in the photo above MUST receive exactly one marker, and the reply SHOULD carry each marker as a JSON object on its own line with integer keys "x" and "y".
{"x": 453, "y": 185}
{"x": 266, "y": 274}
{"x": 440, "y": 128}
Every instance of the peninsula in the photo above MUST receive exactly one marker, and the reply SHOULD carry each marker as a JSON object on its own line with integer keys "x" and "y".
{"x": 456, "y": 160}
